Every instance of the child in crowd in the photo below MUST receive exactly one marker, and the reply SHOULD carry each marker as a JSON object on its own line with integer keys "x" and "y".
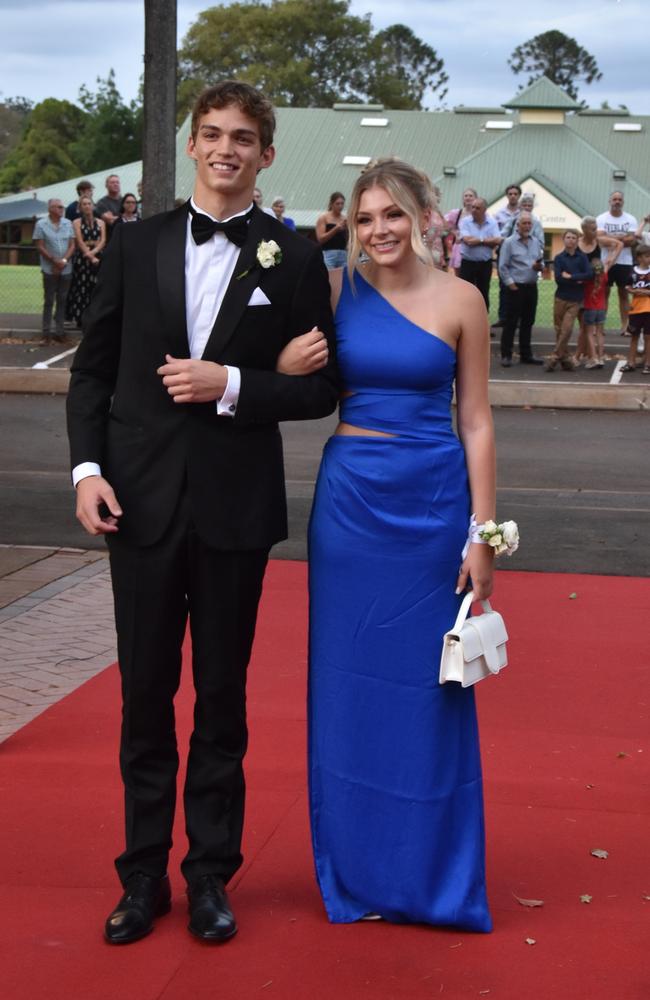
{"x": 572, "y": 269}
{"x": 639, "y": 319}
{"x": 595, "y": 311}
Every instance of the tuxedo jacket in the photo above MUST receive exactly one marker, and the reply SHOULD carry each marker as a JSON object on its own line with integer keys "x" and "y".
{"x": 150, "y": 448}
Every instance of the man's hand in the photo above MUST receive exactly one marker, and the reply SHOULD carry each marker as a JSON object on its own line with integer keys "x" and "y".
{"x": 513, "y": 287}
{"x": 304, "y": 354}
{"x": 94, "y": 495}
{"x": 193, "y": 381}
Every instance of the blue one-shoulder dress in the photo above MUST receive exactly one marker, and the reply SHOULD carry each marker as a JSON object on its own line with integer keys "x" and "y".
{"x": 396, "y": 798}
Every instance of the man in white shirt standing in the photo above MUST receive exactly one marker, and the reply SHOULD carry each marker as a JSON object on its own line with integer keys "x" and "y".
{"x": 173, "y": 417}
{"x": 478, "y": 236}
{"x": 54, "y": 238}
{"x": 622, "y": 226}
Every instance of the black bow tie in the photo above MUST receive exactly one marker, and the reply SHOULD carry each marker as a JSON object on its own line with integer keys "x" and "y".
{"x": 203, "y": 228}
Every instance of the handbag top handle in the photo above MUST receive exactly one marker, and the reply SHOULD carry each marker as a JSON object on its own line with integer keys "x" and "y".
{"x": 463, "y": 611}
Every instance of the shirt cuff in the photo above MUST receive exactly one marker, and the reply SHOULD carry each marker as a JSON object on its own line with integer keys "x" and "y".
{"x": 83, "y": 471}
{"x": 227, "y": 405}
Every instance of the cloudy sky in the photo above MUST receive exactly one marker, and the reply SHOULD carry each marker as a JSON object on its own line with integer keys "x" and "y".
{"x": 51, "y": 47}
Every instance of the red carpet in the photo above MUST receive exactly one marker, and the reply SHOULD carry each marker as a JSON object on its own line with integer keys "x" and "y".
{"x": 567, "y": 767}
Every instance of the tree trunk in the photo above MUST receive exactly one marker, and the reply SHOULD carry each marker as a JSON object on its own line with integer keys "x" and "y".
{"x": 159, "y": 135}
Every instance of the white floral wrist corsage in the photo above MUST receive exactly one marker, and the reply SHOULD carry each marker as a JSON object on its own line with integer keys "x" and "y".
{"x": 503, "y": 537}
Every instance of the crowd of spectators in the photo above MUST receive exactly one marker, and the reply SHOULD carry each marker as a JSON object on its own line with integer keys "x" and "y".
{"x": 467, "y": 241}
{"x": 70, "y": 243}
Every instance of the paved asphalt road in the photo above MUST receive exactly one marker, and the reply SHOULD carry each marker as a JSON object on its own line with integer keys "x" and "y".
{"x": 577, "y": 482}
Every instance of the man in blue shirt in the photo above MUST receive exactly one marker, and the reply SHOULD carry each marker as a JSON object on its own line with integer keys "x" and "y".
{"x": 507, "y": 212}
{"x": 54, "y": 238}
{"x": 478, "y": 236}
{"x": 520, "y": 261}
{"x": 572, "y": 270}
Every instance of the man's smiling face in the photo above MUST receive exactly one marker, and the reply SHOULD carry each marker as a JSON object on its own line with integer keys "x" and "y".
{"x": 228, "y": 154}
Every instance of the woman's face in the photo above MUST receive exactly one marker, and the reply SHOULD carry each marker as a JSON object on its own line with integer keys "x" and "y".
{"x": 338, "y": 205}
{"x": 589, "y": 230}
{"x": 278, "y": 208}
{"x": 86, "y": 205}
{"x": 130, "y": 205}
{"x": 468, "y": 198}
{"x": 383, "y": 228}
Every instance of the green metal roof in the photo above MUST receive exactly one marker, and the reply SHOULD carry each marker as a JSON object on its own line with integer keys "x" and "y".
{"x": 129, "y": 173}
{"x": 582, "y": 174}
{"x": 311, "y": 144}
{"x": 543, "y": 94}
{"x": 628, "y": 150}
{"x": 575, "y": 161}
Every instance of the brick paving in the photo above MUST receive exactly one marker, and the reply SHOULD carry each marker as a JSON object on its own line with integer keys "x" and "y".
{"x": 56, "y": 627}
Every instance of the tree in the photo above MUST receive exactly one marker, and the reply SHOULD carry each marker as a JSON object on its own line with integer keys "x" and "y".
{"x": 14, "y": 112}
{"x": 557, "y": 56}
{"x": 43, "y": 154}
{"x": 403, "y": 69}
{"x": 112, "y": 132}
{"x": 306, "y": 53}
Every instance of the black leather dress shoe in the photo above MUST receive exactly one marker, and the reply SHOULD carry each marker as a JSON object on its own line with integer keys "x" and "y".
{"x": 144, "y": 898}
{"x": 532, "y": 360}
{"x": 211, "y": 918}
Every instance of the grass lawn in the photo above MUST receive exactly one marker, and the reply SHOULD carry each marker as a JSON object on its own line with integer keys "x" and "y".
{"x": 21, "y": 291}
{"x": 544, "y": 316}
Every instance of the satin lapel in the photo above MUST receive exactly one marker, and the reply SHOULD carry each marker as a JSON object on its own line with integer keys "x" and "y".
{"x": 170, "y": 270}
{"x": 239, "y": 290}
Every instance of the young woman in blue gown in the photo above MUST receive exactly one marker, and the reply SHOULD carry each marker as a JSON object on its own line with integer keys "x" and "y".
{"x": 395, "y": 775}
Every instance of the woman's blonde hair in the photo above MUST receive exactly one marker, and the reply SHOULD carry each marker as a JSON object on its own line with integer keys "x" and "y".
{"x": 410, "y": 189}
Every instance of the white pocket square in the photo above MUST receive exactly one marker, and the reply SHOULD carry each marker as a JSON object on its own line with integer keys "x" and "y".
{"x": 258, "y": 298}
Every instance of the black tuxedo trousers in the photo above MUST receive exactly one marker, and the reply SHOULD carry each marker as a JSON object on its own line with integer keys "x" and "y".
{"x": 156, "y": 588}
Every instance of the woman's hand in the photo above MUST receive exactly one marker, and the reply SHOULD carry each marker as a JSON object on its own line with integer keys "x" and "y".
{"x": 303, "y": 355}
{"x": 478, "y": 567}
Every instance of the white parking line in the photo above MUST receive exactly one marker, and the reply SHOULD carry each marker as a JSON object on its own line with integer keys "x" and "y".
{"x": 617, "y": 374}
{"x": 57, "y": 357}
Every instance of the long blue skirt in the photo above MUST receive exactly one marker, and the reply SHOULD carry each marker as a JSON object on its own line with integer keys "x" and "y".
{"x": 395, "y": 775}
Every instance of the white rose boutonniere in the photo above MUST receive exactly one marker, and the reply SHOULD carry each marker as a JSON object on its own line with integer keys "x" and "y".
{"x": 268, "y": 255}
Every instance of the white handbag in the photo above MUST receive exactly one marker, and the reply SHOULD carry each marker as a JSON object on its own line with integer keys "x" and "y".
{"x": 475, "y": 647}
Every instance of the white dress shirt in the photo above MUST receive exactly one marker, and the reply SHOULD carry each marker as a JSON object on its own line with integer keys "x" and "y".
{"x": 208, "y": 270}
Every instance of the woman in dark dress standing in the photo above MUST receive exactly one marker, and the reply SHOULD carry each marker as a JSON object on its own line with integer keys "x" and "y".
{"x": 395, "y": 774}
{"x": 332, "y": 232}
{"x": 90, "y": 238}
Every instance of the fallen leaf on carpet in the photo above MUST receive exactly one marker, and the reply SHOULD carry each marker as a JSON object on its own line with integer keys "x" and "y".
{"x": 456, "y": 945}
{"x": 529, "y": 902}
{"x": 531, "y": 941}
{"x": 622, "y": 753}
{"x": 586, "y": 898}
{"x": 589, "y": 786}
{"x": 598, "y": 852}
{"x": 573, "y": 596}
{"x": 646, "y": 897}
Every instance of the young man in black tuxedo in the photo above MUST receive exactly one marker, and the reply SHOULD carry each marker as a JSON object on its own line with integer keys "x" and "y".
{"x": 173, "y": 417}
